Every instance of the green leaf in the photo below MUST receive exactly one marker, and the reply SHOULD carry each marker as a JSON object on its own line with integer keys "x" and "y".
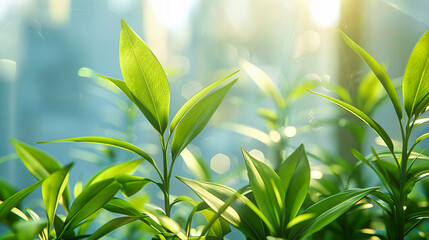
{"x": 111, "y": 225}
{"x": 422, "y": 137}
{"x": 264, "y": 82}
{"x": 378, "y": 71}
{"x": 115, "y": 170}
{"x": 219, "y": 228}
{"x": 196, "y": 165}
{"x": 421, "y": 121}
{"x": 193, "y": 100}
{"x": 109, "y": 142}
{"x": 130, "y": 185}
{"x": 52, "y": 189}
{"x": 324, "y": 212}
{"x": 89, "y": 201}
{"x": 365, "y": 118}
{"x": 250, "y": 132}
{"x": 238, "y": 214}
{"x": 121, "y": 206}
{"x": 196, "y": 119}
{"x": 144, "y": 77}
{"x": 267, "y": 189}
{"x": 166, "y": 222}
{"x": 16, "y": 198}
{"x": 27, "y": 230}
{"x": 294, "y": 174}
{"x": 370, "y": 92}
{"x": 415, "y": 85}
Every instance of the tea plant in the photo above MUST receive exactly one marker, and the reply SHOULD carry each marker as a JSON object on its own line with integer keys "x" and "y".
{"x": 398, "y": 172}
{"x": 269, "y": 206}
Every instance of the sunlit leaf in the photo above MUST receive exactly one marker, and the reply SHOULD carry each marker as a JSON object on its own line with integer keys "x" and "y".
{"x": 250, "y": 132}
{"x": 195, "y": 165}
{"x": 263, "y": 81}
{"x": 294, "y": 174}
{"x": 26, "y": 230}
{"x": 144, "y": 77}
{"x": 196, "y": 119}
{"x": 378, "y": 71}
{"x": 422, "y": 137}
{"x": 420, "y": 121}
{"x": 122, "y": 168}
{"x": 52, "y": 189}
{"x": 365, "y": 118}
{"x": 267, "y": 189}
{"x": 369, "y": 93}
{"x": 193, "y": 100}
{"x": 109, "y": 142}
{"x": 89, "y": 201}
{"x": 415, "y": 85}
{"x": 219, "y": 228}
{"x": 324, "y": 212}
{"x": 16, "y": 198}
{"x": 238, "y": 214}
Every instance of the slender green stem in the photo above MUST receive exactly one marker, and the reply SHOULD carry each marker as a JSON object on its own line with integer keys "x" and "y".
{"x": 166, "y": 181}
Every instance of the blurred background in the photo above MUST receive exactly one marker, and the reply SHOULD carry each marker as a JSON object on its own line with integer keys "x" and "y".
{"x": 50, "y": 51}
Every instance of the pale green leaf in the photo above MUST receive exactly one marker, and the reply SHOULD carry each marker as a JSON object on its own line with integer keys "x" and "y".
{"x": 415, "y": 86}
{"x": 250, "y": 132}
{"x": 365, "y": 118}
{"x": 196, "y": 119}
{"x": 422, "y": 137}
{"x": 263, "y": 81}
{"x": 109, "y": 142}
{"x": 195, "y": 165}
{"x": 378, "y": 71}
{"x": 110, "y": 172}
{"x": 193, "y": 100}
{"x": 144, "y": 77}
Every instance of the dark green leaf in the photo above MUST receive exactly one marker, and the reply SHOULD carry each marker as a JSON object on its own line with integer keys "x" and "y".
{"x": 16, "y": 198}
{"x": 324, "y": 212}
{"x": 415, "y": 85}
{"x": 109, "y": 142}
{"x": 196, "y": 118}
{"x": 378, "y": 71}
{"x": 294, "y": 174}
{"x": 130, "y": 185}
{"x": 111, "y": 225}
{"x": 144, "y": 77}
{"x": 365, "y": 118}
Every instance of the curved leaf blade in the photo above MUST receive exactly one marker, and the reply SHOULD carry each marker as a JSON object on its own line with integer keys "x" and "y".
{"x": 196, "y": 119}
{"x": 16, "y": 198}
{"x": 362, "y": 116}
{"x": 130, "y": 185}
{"x": 52, "y": 189}
{"x": 238, "y": 214}
{"x": 324, "y": 212}
{"x": 193, "y": 100}
{"x": 378, "y": 71}
{"x": 89, "y": 201}
{"x": 144, "y": 77}
{"x": 115, "y": 170}
{"x": 109, "y": 142}
{"x": 415, "y": 85}
{"x": 267, "y": 190}
{"x": 111, "y": 225}
{"x": 294, "y": 173}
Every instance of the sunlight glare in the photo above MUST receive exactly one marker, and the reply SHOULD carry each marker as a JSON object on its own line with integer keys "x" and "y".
{"x": 324, "y": 13}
